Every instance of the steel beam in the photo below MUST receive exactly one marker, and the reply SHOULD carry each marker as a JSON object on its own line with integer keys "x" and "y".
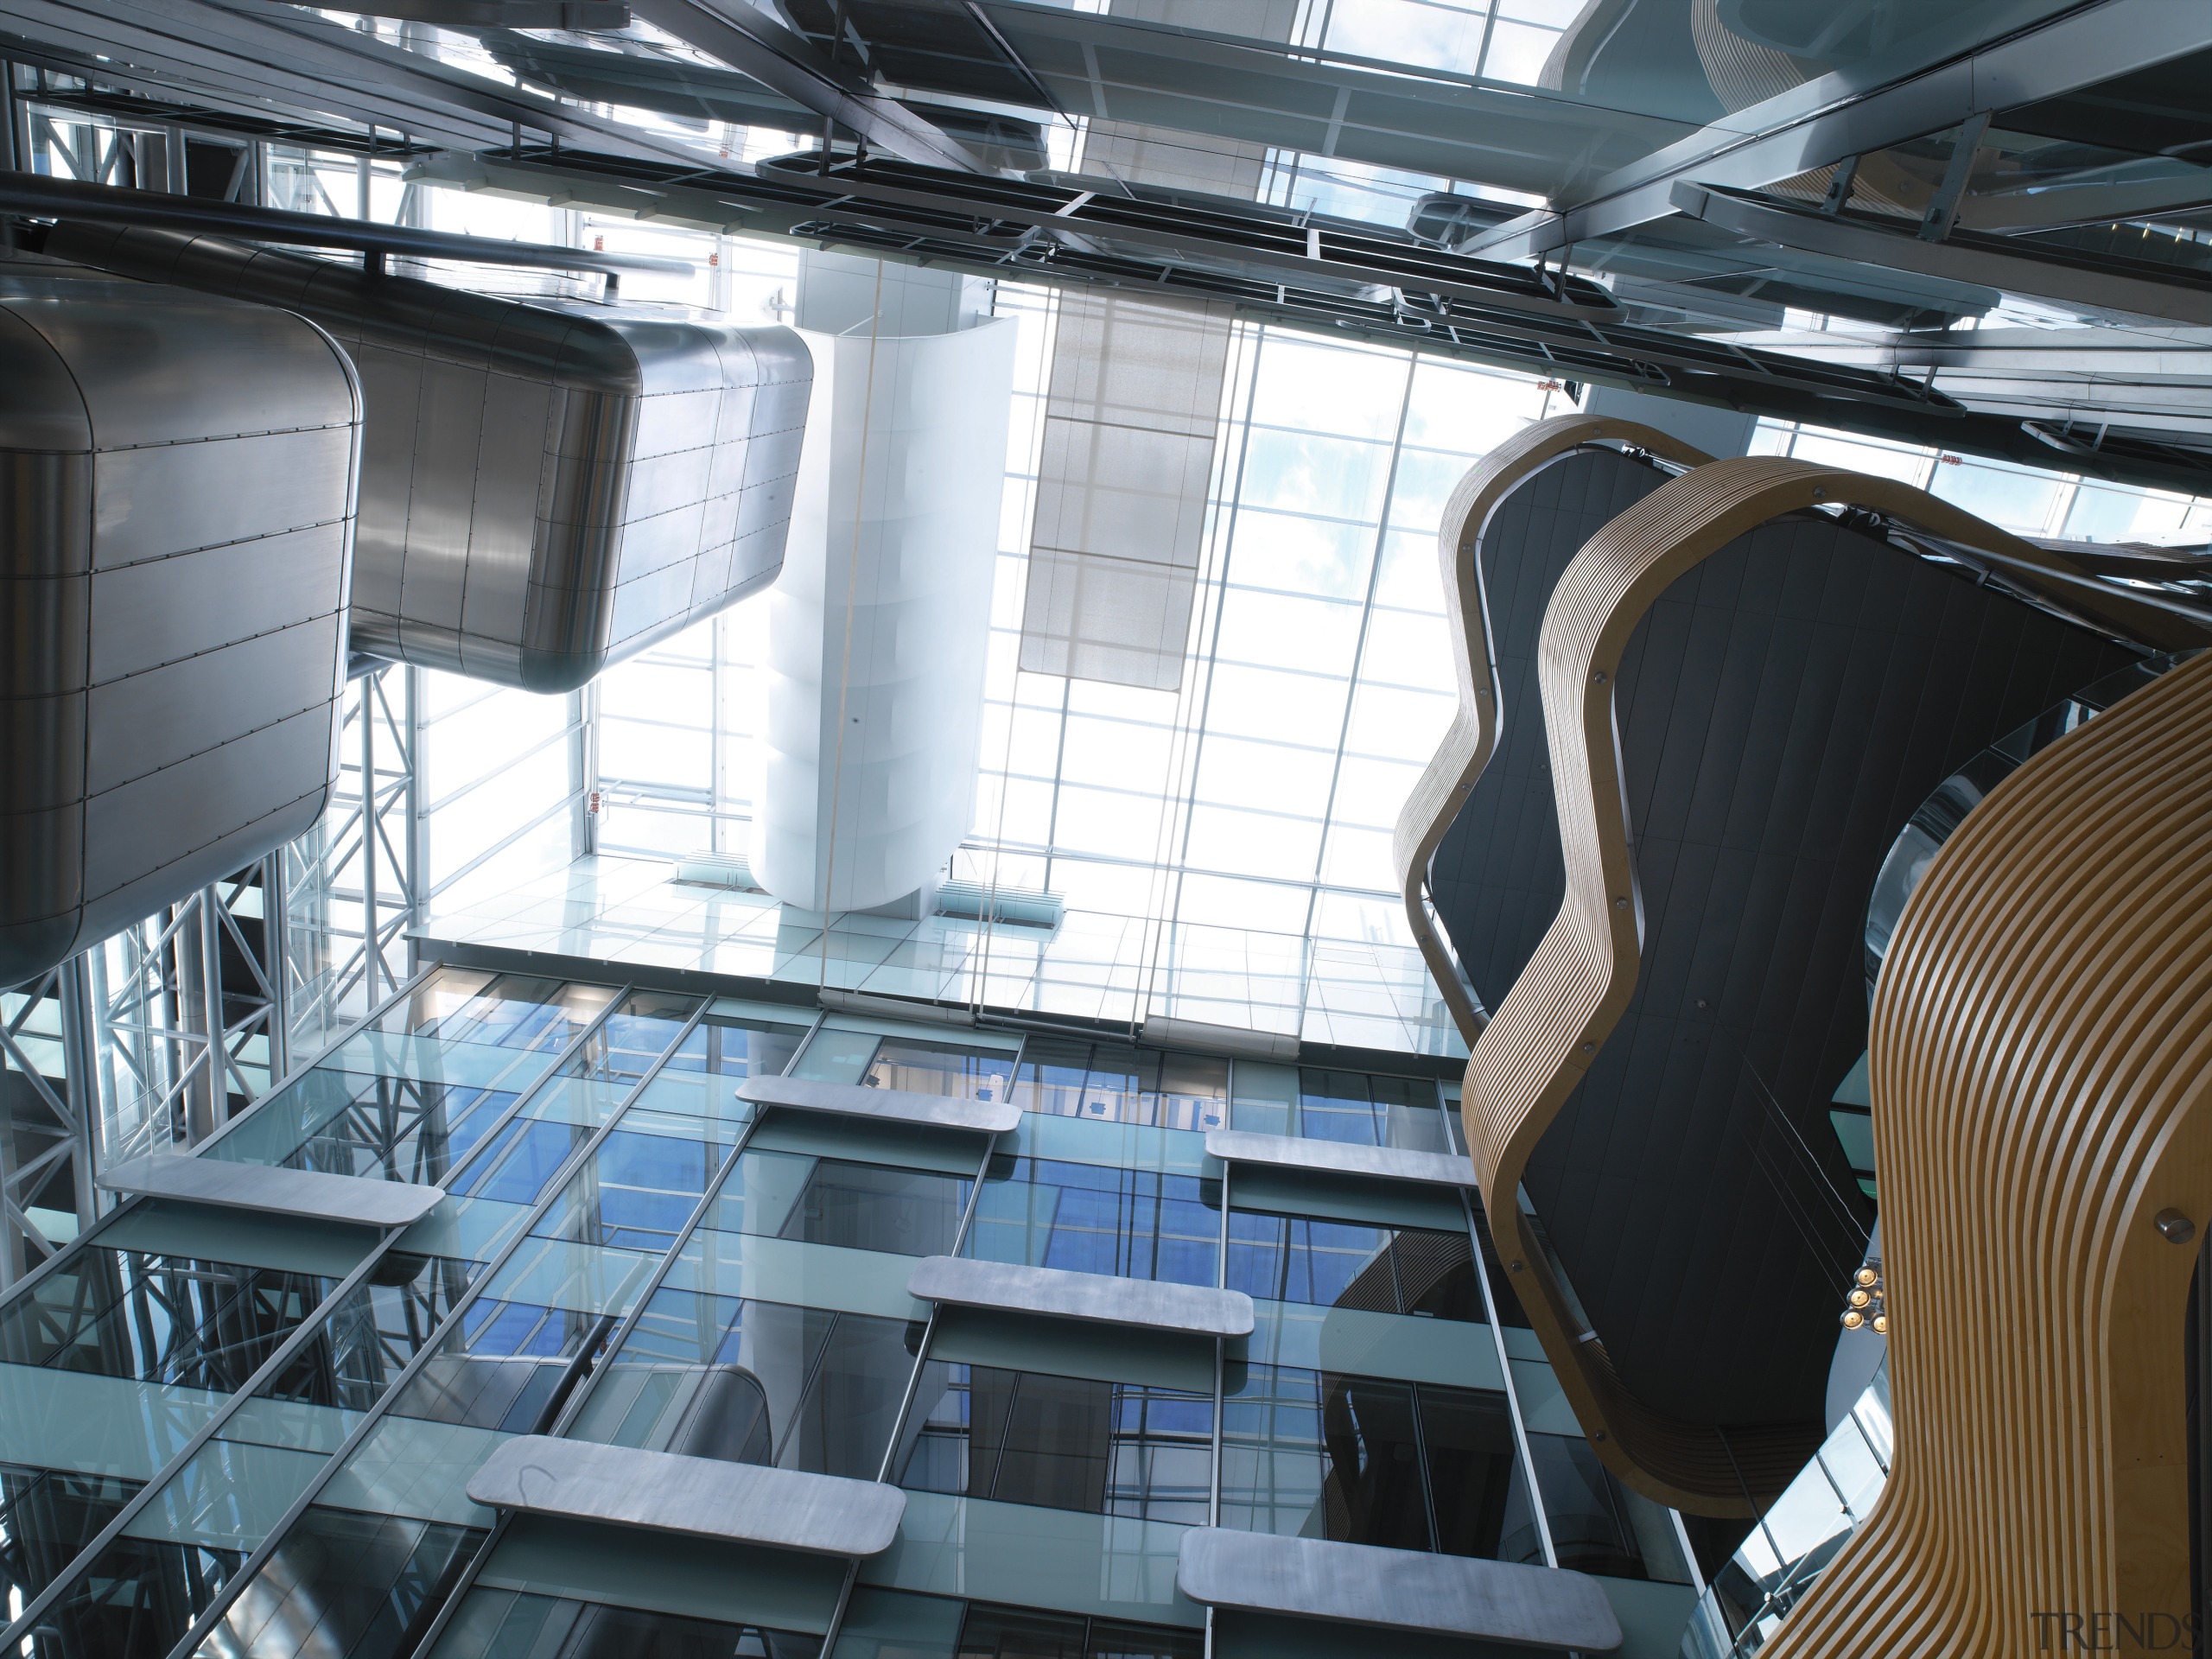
{"x": 1825, "y": 120}
{"x": 1407, "y": 115}
{"x": 2095, "y": 282}
{"x": 786, "y": 62}
{"x": 2066, "y": 206}
{"x": 267, "y": 58}
{"x": 52, "y": 198}
{"x": 1189, "y": 226}
{"x": 1784, "y": 384}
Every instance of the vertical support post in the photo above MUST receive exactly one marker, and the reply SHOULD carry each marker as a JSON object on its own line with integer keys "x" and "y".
{"x": 581, "y": 777}
{"x": 194, "y": 1062}
{"x": 275, "y": 952}
{"x": 417, "y": 827}
{"x": 80, "y": 1063}
{"x": 1839, "y": 184}
{"x": 211, "y": 976}
{"x": 11, "y": 1234}
{"x": 14, "y": 145}
{"x": 718, "y": 789}
{"x": 371, "y": 931}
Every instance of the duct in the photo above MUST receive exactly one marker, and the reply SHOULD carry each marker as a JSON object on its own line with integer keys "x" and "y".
{"x": 177, "y": 482}
{"x": 547, "y": 485}
{"x": 880, "y": 626}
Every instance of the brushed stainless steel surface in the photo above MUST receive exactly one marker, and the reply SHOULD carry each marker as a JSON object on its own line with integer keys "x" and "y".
{"x": 899, "y": 1105}
{"x": 1101, "y": 1298}
{"x": 1396, "y": 1589}
{"x": 1336, "y": 1158}
{"x": 274, "y": 1190}
{"x": 173, "y": 590}
{"x": 704, "y": 1498}
{"x": 548, "y": 486}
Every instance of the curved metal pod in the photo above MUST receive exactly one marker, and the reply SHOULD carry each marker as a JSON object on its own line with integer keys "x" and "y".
{"x": 547, "y": 485}
{"x": 176, "y": 519}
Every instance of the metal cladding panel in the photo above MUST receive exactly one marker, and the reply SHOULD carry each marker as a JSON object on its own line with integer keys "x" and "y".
{"x": 380, "y": 530}
{"x": 707, "y": 1497}
{"x": 355, "y": 1200}
{"x": 251, "y": 588}
{"x": 899, "y": 1105}
{"x": 1093, "y": 1297}
{"x": 154, "y": 499}
{"x": 1528, "y": 1606}
{"x": 173, "y": 587}
{"x": 547, "y": 486}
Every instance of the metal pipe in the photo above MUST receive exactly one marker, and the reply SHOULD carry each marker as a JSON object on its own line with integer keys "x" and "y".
{"x": 51, "y": 198}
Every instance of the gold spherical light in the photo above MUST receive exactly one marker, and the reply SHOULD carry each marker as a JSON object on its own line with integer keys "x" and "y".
{"x": 1881, "y": 1324}
{"x": 1867, "y": 1275}
{"x": 1853, "y": 1319}
{"x": 1860, "y": 1299}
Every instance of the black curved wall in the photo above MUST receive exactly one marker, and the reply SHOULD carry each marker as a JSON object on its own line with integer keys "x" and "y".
{"x": 1783, "y": 711}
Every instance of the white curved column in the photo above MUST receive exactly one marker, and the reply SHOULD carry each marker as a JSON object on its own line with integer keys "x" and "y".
{"x": 886, "y": 595}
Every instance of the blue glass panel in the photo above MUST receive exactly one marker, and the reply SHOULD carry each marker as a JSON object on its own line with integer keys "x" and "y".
{"x": 516, "y": 1164}
{"x": 1046, "y": 1213}
{"x": 1342, "y": 1264}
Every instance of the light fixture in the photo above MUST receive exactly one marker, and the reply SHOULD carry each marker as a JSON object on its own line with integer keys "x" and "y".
{"x": 1865, "y": 1303}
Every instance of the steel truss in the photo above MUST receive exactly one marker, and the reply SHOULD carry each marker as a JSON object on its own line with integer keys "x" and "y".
{"x": 156, "y": 1037}
{"x": 352, "y": 883}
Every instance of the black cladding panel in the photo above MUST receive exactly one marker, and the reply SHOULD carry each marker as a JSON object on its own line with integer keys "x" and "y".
{"x": 1781, "y": 710}
{"x": 1496, "y": 876}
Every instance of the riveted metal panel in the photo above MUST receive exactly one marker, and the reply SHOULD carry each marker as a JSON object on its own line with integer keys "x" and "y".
{"x": 160, "y": 610}
{"x": 156, "y": 500}
{"x": 183, "y": 707}
{"x": 178, "y": 817}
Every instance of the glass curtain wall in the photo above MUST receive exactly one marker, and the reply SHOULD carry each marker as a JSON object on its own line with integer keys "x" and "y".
{"x": 225, "y": 1433}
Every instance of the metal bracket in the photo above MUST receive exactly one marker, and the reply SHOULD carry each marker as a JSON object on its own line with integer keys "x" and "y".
{"x": 1943, "y": 211}
{"x": 1847, "y": 174}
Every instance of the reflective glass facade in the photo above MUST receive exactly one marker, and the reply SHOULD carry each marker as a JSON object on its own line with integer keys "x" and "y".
{"x": 234, "y": 1433}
